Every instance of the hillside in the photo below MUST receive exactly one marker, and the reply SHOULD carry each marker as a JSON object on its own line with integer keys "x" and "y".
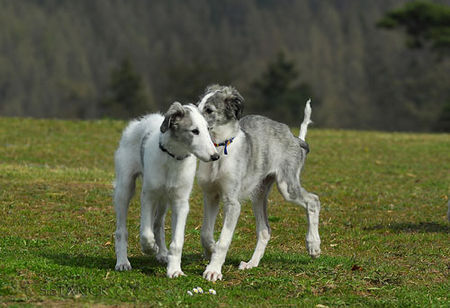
{"x": 56, "y": 57}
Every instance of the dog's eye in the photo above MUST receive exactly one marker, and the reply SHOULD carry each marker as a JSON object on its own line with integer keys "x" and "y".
{"x": 208, "y": 110}
{"x": 195, "y": 131}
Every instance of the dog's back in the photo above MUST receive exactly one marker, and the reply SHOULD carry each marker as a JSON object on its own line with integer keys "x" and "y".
{"x": 137, "y": 129}
{"x": 131, "y": 141}
{"x": 272, "y": 143}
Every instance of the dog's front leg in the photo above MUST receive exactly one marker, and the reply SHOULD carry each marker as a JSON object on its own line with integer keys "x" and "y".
{"x": 180, "y": 211}
{"x": 148, "y": 213}
{"x": 160, "y": 236}
{"x": 210, "y": 210}
{"x": 232, "y": 209}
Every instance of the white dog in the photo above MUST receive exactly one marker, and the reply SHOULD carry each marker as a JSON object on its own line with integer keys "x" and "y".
{"x": 257, "y": 152}
{"x": 159, "y": 148}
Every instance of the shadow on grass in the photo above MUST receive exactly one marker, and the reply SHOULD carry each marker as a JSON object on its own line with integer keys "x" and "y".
{"x": 421, "y": 227}
{"x": 79, "y": 260}
{"x": 145, "y": 264}
{"x": 291, "y": 259}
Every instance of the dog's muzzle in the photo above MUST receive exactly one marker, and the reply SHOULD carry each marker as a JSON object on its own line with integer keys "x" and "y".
{"x": 215, "y": 157}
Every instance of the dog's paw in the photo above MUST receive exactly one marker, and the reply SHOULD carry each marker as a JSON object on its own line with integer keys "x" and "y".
{"x": 175, "y": 273}
{"x": 246, "y": 265}
{"x": 162, "y": 258}
{"x": 150, "y": 249}
{"x": 313, "y": 248}
{"x": 148, "y": 244}
{"x": 211, "y": 275}
{"x": 123, "y": 266}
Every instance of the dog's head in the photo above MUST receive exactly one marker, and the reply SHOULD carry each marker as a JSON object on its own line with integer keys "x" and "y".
{"x": 190, "y": 130}
{"x": 221, "y": 105}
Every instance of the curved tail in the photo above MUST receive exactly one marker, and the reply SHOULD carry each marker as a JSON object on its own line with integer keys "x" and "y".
{"x": 306, "y": 121}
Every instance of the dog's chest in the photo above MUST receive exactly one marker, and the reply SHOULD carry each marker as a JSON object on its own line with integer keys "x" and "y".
{"x": 208, "y": 173}
{"x": 169, "y": 177}
{"x": 216, "y": 173}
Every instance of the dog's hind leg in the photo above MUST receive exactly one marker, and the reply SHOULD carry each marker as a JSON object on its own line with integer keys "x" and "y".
{"x": 312, "y": 214}
{"x": 263, "y": 231}
{"x": 291, "y": 190}
{"x": 160, "y": 236}
{"x": 210, "y": 208}
{"x": 123, "y": 192}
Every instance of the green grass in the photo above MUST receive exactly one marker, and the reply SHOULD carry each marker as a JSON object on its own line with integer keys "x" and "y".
{"x": 385, "y": 237}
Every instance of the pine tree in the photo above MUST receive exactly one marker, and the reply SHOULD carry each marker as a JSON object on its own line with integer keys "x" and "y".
{"x": 279, "y": 92}
{"x": 126, "y": 95}
{"x": 424, "y": 23}
{"x": 443, "y": 122}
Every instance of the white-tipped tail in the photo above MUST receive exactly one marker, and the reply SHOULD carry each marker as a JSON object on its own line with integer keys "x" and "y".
{"x": 306, "y": 121}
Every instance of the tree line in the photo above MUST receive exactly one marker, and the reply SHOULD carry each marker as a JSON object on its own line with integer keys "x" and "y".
{"x": 116, "y": 58}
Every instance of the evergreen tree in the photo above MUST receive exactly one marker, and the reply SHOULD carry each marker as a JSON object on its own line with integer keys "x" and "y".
{"x": 424, "y": 22}
{"x": 443, "y": 122}
{"x": 126, "y": 95}
{"x": 280, "y": 94}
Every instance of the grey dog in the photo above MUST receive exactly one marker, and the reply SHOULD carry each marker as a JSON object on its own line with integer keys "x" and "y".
{"x": 255, "y": 153}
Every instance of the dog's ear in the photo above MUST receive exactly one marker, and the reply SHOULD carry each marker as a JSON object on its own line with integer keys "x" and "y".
{"x": 209, "y": 89}
{"x": 212, "y": 88}
{"x": 172, "y": 116}
{"x": 234, "y": 104}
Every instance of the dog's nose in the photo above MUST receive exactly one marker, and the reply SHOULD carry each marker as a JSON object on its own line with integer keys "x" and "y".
{"x": 215, "y": 157}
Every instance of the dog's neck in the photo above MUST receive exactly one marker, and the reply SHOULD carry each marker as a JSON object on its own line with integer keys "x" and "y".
{"x": 224, "y": 132}
{"x": 172, "y": 147}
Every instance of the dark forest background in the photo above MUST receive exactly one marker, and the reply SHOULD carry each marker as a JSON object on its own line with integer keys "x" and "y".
{"x": 116, "y": 58}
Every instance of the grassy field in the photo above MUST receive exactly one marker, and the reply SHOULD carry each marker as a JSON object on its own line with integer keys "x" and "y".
{"x": 385, "y": 237}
